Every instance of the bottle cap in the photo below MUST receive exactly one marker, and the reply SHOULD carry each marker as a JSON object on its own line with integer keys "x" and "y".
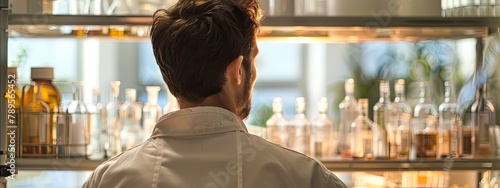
{"x": 399, "y": 86}
{"x": 96, "y": 91}
{"x": 153, "y": 89}
{"x": 12, "y": 71}
{"x": 42, "y": 73}
{"x": 300, "y": 104}
{"x": 115, "y": 88}
{"x": 323, "y": 105}
{"x": 277, "y": 105}
{"x": 349, "y": 85}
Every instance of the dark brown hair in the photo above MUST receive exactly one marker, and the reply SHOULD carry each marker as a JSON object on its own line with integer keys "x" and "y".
{"x": 195, "y": 40}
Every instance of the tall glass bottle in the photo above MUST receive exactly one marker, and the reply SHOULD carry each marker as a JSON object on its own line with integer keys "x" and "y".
{"x": 113, "y": 146}
{"x": 383, "y": 132}
{"x": 300, "y": 129}
{"x": 361, "y": 133}
{"x": 425, "y": 124}
{"x": 483, "y": 116}
{"x": 152, "y": 111}
{"x": 277, "y": 125}
{"x": 348, "y": 113}
{"x": 78, "y": 129}
{"x": 402, "y": 118}
{"x": 447, "y": 114}
{"x": 322, "y": 141}
{"x": 130, "y": 116}
{"x": 41, "y": 82}
{"x": 97, "y": 121}
{"x": 172, "y": 104}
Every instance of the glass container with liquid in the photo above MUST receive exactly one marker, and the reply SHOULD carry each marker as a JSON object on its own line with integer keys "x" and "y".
{"x": 299, "y": 137}
{"x": 97, "y": 121}
{"x": 323, "y": 143}
{"x": 384, "y": 146}
{"x": 401, "y": 119}
{"x": 348, "y": 113}
{"x": 130, "y": 115}
{"x": 41, "y": 103}
{"x": 277, "y": 125}
{"x": 77, "y": 132}
{"x": 152, "y": 111}
{"x": 425, "y": 133}
{"x": 361, "y": 133}
{"x": 113, "y": 144}
{"x": 447, "y": 114}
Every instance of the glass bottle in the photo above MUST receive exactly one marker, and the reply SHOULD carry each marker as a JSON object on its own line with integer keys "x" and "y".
{"x": 348, "y": 113}
{"x": 41, "y": 82}
{"x": 401, "y": 119}
{"x": 483, "y": 116}
{"x": 172, "y": 104}
{"x": 277, "y": 124}
{"x": 152, "y": 111}
{"x": 78, "y": 129}
{"x": 36, "y": 129}
{"x": 322, "y": 141}
{"x": 97, "y": 121}
{"x": 361, "y": 133}
{"x": 130, "y": 116}
{"x": 383, "y": 132}
{"x": 300, "y": 129}
{"x": 425, "y": 124}
{"x": 447, "y": 114}
{"x": 113, "y": 146}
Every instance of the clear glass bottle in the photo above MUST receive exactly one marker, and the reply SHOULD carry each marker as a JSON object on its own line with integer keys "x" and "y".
{"x": 113, "y": 146}
{"x": 78, "y": 129}
{"x": 447, "y": 114}
{"x": 97, "y": 121}
{"x": 425, "y": 124}
{"x": 322, "y": 141}
{"x": 299, "y": 137}
{"x": 130, "y": 116}
{"x": 483, "y": 116}
{"x": 277, "y": 125}
{"x": 361, "y": 133}
{"x": 41, "y": 82}
{"x": 402, "y": 119}
{"x": 172, "y": 104}
{"x": 348, "y": 113}
{"x": 152, "y": 111}
{"x": 383, "y": 132}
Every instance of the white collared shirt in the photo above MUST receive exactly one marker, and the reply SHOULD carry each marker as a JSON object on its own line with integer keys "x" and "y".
{"x": 210, "y": 147}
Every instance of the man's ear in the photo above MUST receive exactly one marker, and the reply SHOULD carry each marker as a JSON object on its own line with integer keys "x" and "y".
{"x": 234, "y": 70}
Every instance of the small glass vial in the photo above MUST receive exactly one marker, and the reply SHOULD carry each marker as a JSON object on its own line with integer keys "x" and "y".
{"x": 447, "y": 115}
{"x": 172, "y": 104}
{"x": 402, "y": 118}
{"x": 300, "y": 129}
{"x": 425, "y": 121}
{"x": 277, "y": 125}
{"x": 78, "y": 130}
{"x": 361, "y": 133}
{"x": 113, "y": 144}
{"x": 130, "y": 116}
{"x": 323, "y": 143}
{"x": 348, "y": 113}
{"x": 152, "y": 111}
{"x": 384, "y": 145}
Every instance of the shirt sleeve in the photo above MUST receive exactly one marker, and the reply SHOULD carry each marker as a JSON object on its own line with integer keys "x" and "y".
{"x": 89, "y": 182}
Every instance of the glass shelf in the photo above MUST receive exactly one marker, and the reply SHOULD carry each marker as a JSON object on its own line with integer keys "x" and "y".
{"x": 335, "y": 29}
{"x": 332, "y": 164}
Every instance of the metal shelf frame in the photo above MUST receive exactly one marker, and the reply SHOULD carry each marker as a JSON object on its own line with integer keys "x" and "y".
{"x": 337, "y": 165}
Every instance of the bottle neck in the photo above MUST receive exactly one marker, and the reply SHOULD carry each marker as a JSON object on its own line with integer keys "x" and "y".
{"x": 153, "y": 98}
{"x": 130, "y": 98}
{"x": 78, "y": 94}
{"x": 400, "y": 97}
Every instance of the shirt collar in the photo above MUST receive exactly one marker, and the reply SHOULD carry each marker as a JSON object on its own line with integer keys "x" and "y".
{"x": 198, "y": 121}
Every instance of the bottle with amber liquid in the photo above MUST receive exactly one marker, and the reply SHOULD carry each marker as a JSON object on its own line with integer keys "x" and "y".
{"x": 425, "y": 124}
{"x": 483, "y": 119}
{"x": 40, "y": 99}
